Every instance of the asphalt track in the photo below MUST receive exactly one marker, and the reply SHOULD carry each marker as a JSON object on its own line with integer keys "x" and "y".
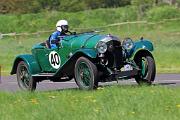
{"x": 9, "y": 83}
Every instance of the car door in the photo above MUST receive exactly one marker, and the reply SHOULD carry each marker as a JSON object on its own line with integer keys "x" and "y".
{"x": 52, "y": 59}
{"x": 43, "y": 59}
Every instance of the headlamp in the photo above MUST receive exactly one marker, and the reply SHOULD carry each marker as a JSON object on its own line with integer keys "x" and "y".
{"x": 128, "y": 43}
{"x": 101, "y": 47}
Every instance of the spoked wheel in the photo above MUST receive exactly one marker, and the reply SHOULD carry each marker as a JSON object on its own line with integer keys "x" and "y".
{"x": 148, "y": 69}
{"x": 86, "y": 74}
{"x": 24, "y": 78}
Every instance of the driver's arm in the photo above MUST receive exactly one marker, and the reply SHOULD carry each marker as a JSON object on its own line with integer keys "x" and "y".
{"x": 54, "y": 39}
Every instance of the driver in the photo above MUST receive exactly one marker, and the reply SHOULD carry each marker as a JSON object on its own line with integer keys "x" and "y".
{"x": 61, "y": 30}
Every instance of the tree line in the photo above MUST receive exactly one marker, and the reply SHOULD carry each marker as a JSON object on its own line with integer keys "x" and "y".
{"x": 34, "y": 6}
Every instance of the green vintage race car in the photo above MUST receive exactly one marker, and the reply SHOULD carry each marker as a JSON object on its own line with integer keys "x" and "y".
{"x": 89, "y": 58}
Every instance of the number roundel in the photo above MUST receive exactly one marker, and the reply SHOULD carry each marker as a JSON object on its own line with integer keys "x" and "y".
{"x": 54, "y": 59}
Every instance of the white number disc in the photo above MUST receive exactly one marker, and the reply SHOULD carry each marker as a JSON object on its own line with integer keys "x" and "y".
{"x": 54, "y": 59}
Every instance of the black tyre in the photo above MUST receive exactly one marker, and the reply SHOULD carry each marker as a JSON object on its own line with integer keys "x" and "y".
{"x": 148, "y": 69}
{"x": 86, "y": 74}
{"x": 24, "y": 78}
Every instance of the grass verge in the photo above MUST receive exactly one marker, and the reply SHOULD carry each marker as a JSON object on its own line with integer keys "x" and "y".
{"x": 109, "y": 103}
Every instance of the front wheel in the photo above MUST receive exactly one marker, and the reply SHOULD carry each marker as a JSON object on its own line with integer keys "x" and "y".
{"x": 86, "y": 74}
{"x": 24, "y": 78}
{"x": 147, "y": 71}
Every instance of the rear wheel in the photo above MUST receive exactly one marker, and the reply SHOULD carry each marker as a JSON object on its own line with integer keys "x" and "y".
{"x": 86, "y": 74}
{"x": 148, "y": 69}
{"x": 24, "y": 78}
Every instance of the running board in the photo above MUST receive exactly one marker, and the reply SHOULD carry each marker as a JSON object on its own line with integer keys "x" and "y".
{"x": 49, "y": 76}
{"x": 43, "y": 75}
{"x": 125, "y": 74}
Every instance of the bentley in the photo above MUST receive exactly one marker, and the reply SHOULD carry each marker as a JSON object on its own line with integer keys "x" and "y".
{"x": 88, "y": 58}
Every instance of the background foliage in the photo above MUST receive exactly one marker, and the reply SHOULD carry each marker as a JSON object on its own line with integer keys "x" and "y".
{"x": 47, "y": 20}
{"x": 33, "y": 6}
{"x": 164, "y": 12}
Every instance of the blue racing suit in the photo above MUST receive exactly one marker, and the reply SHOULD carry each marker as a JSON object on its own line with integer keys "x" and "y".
{"x": 54, "y": 37}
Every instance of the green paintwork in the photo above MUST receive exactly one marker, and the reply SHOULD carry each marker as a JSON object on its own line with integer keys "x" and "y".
{"x": 87, "y": 40}
{"x": 140, "y": 45}
{"x": 30, "y": 60}
{"x": 92, "y": 53}
{"x": 144, "y": 67}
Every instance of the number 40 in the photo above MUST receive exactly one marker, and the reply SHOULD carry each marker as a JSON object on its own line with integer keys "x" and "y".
{"x": 55, "y": 59}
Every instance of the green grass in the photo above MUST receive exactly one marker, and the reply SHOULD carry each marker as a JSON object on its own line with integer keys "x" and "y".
{"x": 109, "y": 103}
{"x": 47, "y": 20}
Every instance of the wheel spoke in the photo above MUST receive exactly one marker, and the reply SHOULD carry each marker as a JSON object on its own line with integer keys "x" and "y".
{"x": 143, "y": 66}
{"x": 22, "y": 73}
{"x": 24, "y": 76}
{"x": 86, "y": 80}
{"x": 84, "y": 73}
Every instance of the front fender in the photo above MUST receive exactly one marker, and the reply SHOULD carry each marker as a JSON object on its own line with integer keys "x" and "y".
{"x": 68, "y": 67}
{"x": 144, "y": 44}
{"x": 88, "y": 52}
{"x": 33, "y": 66}
{"x": 141, "y": 45}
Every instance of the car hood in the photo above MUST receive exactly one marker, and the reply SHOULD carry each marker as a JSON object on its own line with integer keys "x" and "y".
{"x": 87, "y": 40}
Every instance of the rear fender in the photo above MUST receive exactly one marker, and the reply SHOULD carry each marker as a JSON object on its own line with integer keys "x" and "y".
{"x": 31, "y": 62}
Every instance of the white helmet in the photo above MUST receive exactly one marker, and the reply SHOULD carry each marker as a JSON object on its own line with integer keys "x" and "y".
{"x": 60, "y": 24}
